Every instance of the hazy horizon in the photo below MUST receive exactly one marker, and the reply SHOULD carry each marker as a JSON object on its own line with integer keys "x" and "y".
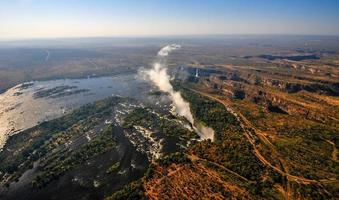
{"x": 30, "y": 19}
{"x": 178, "y": 36}
{"x": 169, "y": 99}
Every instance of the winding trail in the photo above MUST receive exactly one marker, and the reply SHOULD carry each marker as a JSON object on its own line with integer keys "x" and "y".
{"x": 335, "y": 151}
{"x": 193, "y": 157}
{"x": 200, "y": 165}
{"x": 247, "y": 126}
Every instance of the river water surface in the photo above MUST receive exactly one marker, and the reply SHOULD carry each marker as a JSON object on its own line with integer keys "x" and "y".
{"x": 22, "y": 108}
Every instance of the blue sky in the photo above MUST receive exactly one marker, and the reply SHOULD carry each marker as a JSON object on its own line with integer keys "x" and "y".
{"x": 82, "y": 18}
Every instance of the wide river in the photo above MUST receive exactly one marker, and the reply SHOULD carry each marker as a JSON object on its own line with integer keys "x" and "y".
{"x": 21, "y": 108}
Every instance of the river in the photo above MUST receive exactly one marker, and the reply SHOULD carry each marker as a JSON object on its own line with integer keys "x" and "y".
{"x": 28, "y": 104}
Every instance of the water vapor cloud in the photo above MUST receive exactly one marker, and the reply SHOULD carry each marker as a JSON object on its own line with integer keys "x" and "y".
{"x": 159, "y": 76}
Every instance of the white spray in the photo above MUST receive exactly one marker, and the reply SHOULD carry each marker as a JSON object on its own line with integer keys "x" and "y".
{"x": 158, "y": 75}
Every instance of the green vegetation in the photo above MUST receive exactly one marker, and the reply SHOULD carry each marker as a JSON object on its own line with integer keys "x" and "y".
{"x": 34, "y": 143}
{"x": 166, "y": 124}
{"x": 289, "y": 109}
{"x": 139, "y": 116}
{"x": 310, "y": 152}
{"x": 210, "y": 112}
{"x": 132, "y": 191}
{"x": 53, "y": 91}
{"x": 231, "y": 148}
{"x": 177, "y": 158}
{"x": 59, "y": 91}
{"x": 54, "y": 168}
{"x": 315, "y": 192}
{"x": 113, "y": 168}
{"x": 156, "y": 93}
{"x": 17, "y": 93}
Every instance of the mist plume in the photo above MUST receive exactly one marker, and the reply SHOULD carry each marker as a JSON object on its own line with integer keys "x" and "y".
{"x": 158, "y": 75}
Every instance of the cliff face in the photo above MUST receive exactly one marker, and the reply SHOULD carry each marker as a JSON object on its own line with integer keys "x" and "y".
{"x": 288, "y": 116}
{"x": 283, "y": 94}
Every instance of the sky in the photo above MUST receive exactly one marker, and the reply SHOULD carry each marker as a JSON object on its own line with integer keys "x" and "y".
{"x": 95, "y": 18}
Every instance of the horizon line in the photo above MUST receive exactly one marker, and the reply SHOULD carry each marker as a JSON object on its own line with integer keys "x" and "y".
{"x": 165, "y": 36}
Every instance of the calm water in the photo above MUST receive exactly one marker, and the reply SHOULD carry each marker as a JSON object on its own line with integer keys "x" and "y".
{"x": 19, "y": 112}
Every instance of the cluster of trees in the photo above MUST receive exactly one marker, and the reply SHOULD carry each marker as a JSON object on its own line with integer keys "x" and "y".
{"x": 312, "y": 191}
{"x": 52, "y": 91}
{"x": 210, "y": 112}
{"x": 171, "y": 128}
{"x": 140, "y": 116}
{"x": 67, "y": 161}
{"x": 309, "y": 149}
{"x": 34, "y": 143}
{"x": 318, "y": 132}
{"x": 134, "y": 190}
{"x": 166, "y": 125}
{"x": 178, "y": 158}
{"x": 113, "y": 168}
{"x": 231, "y": 148}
